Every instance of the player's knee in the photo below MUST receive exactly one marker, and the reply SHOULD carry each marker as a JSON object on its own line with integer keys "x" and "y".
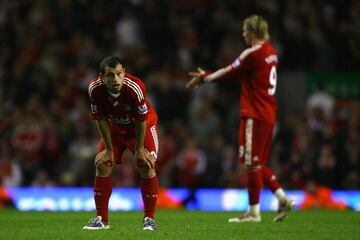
{"x": 99, "y": 167}
{"x": 102, "y": 169}
{"x": 142, "y": 166}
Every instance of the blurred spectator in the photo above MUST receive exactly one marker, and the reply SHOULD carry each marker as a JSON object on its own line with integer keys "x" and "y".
{"x": 165, "y": 163}
{"x": 126, "y": 174}
{"x": 27, "y": 140}
{"x": 320, "y": 197}
{"x": 216, "y": 161}
{"x": 297, "y": 171}
{"x": 81, "y": 157}
{"x": 325, "y": 169}
{"x": 128, "y": 30}
{"x": 320, "y": 102}
{"x": 42, "y": 179}
{"x": 204, "y": 123}
{"x": 191, "y": 162}
{"x": 10, "y": 170}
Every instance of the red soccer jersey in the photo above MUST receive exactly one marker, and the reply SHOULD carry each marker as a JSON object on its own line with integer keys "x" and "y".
{"x": 124, "y": 108}
{"x": 256, "y": 69}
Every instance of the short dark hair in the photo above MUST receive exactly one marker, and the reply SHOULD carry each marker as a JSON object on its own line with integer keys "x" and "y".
{"x": 110, "y": 61}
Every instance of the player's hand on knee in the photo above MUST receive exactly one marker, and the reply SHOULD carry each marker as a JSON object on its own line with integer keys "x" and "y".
{"x": 144, "y": 156}
{"x": 98, "y": 158}
{"x": 105, "y": 157}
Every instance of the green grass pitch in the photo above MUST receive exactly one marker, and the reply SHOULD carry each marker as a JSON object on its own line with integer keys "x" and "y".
{"x": 180, "y": 224}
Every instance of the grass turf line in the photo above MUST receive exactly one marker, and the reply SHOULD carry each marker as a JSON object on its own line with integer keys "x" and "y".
{"x": 180, "y": 224}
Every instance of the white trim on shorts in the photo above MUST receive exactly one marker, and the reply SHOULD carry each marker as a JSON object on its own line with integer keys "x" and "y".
{"x": 155, "y": 138}
{"x": 248, "y": 140}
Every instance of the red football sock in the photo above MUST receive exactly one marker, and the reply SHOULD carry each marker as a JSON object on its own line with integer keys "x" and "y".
{"x": 269, "y": 179}
{"x": 254, "y": 184}
{"x": 102, "y": 193}
{"x": 149, "y": 191}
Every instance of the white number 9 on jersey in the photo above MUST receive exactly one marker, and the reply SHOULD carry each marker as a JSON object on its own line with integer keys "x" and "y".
{"x": 272, "y": 80}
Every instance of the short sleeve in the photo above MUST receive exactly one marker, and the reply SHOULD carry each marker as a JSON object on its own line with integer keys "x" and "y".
{"x": 138, "y": 99}
{"x": 97, "y": 110}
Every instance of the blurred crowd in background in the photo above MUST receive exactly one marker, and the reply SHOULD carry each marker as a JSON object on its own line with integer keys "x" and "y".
{"x": 50, "y": 50}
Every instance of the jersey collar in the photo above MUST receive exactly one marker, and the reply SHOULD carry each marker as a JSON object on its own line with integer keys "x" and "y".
{"x": 115, "y": 95}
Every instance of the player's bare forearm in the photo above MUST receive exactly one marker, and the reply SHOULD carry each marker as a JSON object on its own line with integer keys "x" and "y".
{"x": 200, "y": 77}
{"x": 141, "y": 153}
{"x": 107, "y": 155}
{"x": 220, "y": 74}
{"x": 105, "y": 132}
{"x": 140, "y": 133}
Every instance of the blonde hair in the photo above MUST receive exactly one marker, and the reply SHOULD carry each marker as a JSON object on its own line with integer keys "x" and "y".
{"x": 257, "y": 25}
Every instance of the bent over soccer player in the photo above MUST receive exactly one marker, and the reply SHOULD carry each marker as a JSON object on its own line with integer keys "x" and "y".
{"x": 255, "y": 68}
{"x": 125, "y": 119}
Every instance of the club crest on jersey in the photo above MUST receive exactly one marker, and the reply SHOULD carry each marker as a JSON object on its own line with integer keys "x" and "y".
{"x": 143, "y": 109}
{"x": 94, "y": 108}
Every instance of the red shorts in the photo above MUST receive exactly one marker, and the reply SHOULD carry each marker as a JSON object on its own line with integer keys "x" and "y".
{"x": 254, "y": 141}
{"x": 121, "y": 142}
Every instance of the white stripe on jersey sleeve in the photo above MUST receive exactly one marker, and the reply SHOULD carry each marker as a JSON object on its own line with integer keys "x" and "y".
{"x": 222, "y": 71}
{"x": 247, "y": 51}
{"x": 135, "y": 87}
{"x": 95, "y": 84}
